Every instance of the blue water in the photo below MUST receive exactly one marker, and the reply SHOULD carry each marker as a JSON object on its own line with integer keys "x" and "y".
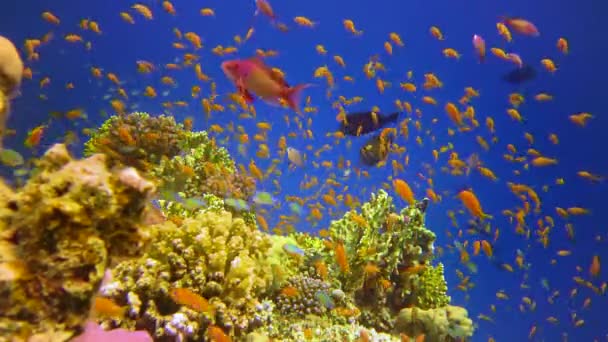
{"x": 577, "y": 86}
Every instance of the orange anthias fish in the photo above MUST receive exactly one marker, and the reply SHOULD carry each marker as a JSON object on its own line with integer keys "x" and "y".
{"x": 470, "y": 201}
{"x": 263, "y": 6}
{"x": 522, "y": 26}
{"x": 253, "y": 76}
{"x": 196, "y": 302}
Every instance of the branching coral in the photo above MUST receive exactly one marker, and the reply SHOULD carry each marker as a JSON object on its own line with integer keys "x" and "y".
{"x": 60, "y": 231}
{"x": 213, "y": 255}
{"x": 382, "y": 259}
{"x": 139, "y": 140}
{"x": 205, "y": 168}
{"x": 377, "y": 236}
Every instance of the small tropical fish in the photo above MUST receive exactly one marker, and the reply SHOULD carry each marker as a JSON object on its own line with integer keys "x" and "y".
{"x": 375, "y": 149}
{"x": 186, "y": 297}
{"x": 295, "y": 156}
{"x": 293, "y": 250}
{"x": 263, "y": 6}
{"x": 106, "y": 307}
{"x": 521, "y": 26}
{"x": 237, "y": 203}
{"x": 325, "y": 299}
{"x": 520, "y": 75}
{"x": 10, "y": 157}
{"x": 480, "y": 47}
{"x": 216, "y": 334}
{"x": 264, "y": 198}
{"x": 359, "y": 123}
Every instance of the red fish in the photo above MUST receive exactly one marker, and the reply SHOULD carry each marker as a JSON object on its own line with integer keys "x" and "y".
{"x": 480, "y": 47}
{"x": 252, "y": 76}
{"x": 521, "y": 26}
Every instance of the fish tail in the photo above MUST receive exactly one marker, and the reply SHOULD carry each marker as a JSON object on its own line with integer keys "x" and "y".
{"x": 294, "y": 96}
{"x": 392, "y": 117}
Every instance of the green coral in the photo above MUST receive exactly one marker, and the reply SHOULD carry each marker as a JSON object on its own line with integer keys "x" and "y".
{"x": 140, "y": 140}
{"x": 60, "y": 232}
{"x": 214, "y": 255}
{"x": 386, "y": 264}
{"x": 379, "y": 236}
{"x": 431, "y": 291}
{"x": 205, "y": 168}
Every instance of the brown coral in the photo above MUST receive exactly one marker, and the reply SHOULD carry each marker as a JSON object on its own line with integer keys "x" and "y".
{"x": 221, "y": 181}
{"x": 138, "y": 140}
{"x": 64, "y": 227}
{"x": 11, "y": 67}
{"x": 11, "y": 72}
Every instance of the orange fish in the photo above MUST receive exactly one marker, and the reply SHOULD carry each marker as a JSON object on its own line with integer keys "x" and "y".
{"x": 470, "y": 201}
{"x": 51, "y": 18}
{"x": 107, "y": 308}
{"x": 216, "y": 334}
{"x": 253, "y": 76}
{"x": 522, "y": 26}
{"x": 594, "y": 269}
{"x": 341, "y": 257}
{"x": 190, "y": 299}
{"x": 34, "y": 136}
{"x": 404, "y": 191}
{"x": 263, "y": 6}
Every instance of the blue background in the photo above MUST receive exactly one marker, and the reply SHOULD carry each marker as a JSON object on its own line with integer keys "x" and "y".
{"x": 577, "y": 86}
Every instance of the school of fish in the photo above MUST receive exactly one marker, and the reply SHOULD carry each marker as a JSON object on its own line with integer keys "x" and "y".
{"x": 399, "y": 146}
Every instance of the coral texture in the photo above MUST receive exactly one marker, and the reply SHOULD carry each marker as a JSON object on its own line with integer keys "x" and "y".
{"x": 60, "y": 232}
{"x": 213, "y": 255}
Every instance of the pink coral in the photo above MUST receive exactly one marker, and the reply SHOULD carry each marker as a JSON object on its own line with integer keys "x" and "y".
{"x": 94, "y": 333}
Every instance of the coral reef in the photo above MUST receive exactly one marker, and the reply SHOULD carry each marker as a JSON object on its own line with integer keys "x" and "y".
{"x": 204, "y": 169}
{"x": 207, "y": 268}
{"x": 213, "y": 255}
{"x": 11, "y": 73}
{"x": 303, "y": 295}
{"x": 186, "y": 164}
{"x": 447, "y": 323}
{"x": 139, "y": 140}
{"x": 59, "y": 234}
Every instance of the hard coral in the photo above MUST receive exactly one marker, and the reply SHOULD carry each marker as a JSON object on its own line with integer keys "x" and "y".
{"x": 139, "y": 140}
{"x": 213, "y": 255}
{"x": 383, "y": 260}
{"x": 62, "y": 230}
{"x": 444, "y": 324}
{"x": 205, "y": 168}
{"x": 11, "y": 72}
{"x": 303, "y": 295}
{"x": 378, "y": 236}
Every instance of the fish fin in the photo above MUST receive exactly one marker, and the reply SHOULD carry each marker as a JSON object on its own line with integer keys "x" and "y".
{"x": 293, "y": 96}
{"x": 243, "y": 91}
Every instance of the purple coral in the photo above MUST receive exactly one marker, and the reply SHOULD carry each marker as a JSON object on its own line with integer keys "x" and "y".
{"x": 94, "y": 333}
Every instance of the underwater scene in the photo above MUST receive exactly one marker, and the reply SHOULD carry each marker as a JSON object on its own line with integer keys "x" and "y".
{"x": 266, "y": 170}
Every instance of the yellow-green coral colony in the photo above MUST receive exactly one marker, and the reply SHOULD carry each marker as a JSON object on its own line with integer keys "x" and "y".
{"x": 258, "y": 284}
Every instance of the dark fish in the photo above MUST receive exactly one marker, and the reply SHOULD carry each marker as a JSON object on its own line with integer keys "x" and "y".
{"x": 366, "y": 122}
{"x": 520, "y": 75}
{"x": 375, "y": 150}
